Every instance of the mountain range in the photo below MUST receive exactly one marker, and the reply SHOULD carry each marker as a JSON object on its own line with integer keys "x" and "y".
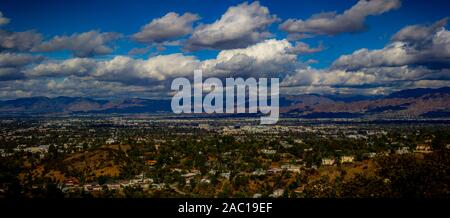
{"x": 410, "y": 103}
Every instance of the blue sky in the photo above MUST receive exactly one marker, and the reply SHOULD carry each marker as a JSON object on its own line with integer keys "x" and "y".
{"x": 53, "y": 17}
{"x": 126, "y": 18}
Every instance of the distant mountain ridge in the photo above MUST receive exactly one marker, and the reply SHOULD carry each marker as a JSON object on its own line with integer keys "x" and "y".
{"x": 71, "y": 105}
{"x": 414, "y": 93}
{"x": 410, "y": 103}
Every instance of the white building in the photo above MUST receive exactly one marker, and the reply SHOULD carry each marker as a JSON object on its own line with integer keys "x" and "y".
{"x": 402, "y": 150}
{"x": 328, "y": 161}
{"x": 277, "y": 193}
{"x": 347, "y": 159}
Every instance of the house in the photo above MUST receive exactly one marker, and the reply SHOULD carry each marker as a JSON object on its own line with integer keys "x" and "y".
{"x": 370, "y": 154}
{"x": 423, "y": 148}
{"x": 204, "y": 126}
{"x": 274, "y": 170}
{"x": 113, "y": 186}
{"x": 385, "y": 153}
{"x": 92, "y": 187}
{"x": 277, "y": 193}
{"x": 205, "y": 181}
{"x": 4, "y": 153}
{"x": 71, "y": 182}
{"x": 402, "y": 150}
{"x": 110, "y": 141}
{"x": 307, "y": 149}
{"x": 291, "y": 168}
{"x": 147, "y": 180}
{"x": 259, "y": 172}
{"x": 158, "y": 186}
{"x": 298, "y": 141}
{"x": 178, "y": 170}
{"x": 268, "y": 151}
{"x": 257, "y": 195}
{"x": 212, "y": 172}
{"x": 38, "y": 149}
{"x": 150, "y": 162}
{"x": 191, "y": 174}
{"x": 124, "y": 183}
{"x": 226, "y": 175}
{"x": 328, "y": 161}
{"x": 286, "y": 144}
{"x": 135, "y": 182}
{"x": 347, "y": 159}
{"x": 299, "y": 190}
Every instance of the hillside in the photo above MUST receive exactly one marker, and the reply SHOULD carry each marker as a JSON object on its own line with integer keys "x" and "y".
{"x": 413, "y": 103}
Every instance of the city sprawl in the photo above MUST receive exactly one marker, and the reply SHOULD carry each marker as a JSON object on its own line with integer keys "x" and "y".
{"x": 164, "y": 156}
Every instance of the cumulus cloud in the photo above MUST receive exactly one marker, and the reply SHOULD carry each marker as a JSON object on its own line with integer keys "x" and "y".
{"x": 138, "y": 71}
{"x": 74, "y": 87}
{"x": 18, "y": 60}
{"x": 240, "y": 26}
{"x": 119, "y": 69}
{"x": 3, "y": 20}
{"x": 138, "y": 51}
{"x": 403, "y": 62}
{"x": 10, "y": 73}
{"x": 419, "y": 33}
{"x": 394, "y": 54}
{"x": 268, "y": 58}
{"x": 12, "y": 65}
{"x": 303, "y": 48}
{"x": 413, "y": 45}
{"x": 19, "y": 41}
{"x": 417, "y": 56}
{"x": 368, "y": 81}
{"x": 332, "y": 78}
{"x": 168, "y": 27}
{"x": 375, "y": 80}
{"x": 85, "y": 44}
{"x": 70, "y": 67}
{"x": 331, "y": 23}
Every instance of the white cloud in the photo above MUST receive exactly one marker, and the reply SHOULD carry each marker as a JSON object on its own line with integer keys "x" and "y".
{"x": 10, "y": 73}
{"x": 19, "y": 41}
{"x": 18, "y": 60}
{"x": 240, "y": 26}
{"x": 303, "y": 48}
{"x": 75, "y": 66}
{"x": 366, "y": 81}
{"x": 331, "y": 23}
{"x": 157, "y": 68}
{"x": 74, "y": 87}
{"x": 268, "y": 58}
{"x": 138, "y": 51}
{"x": 120, "y": 69}
{"x": 12, "y": 65}
{"x": 419, "y": 33}
{"x": 168, "y": 27}
{"x": 3, "y": 20}
{"x": 315, "y": 77}
{"x": 85, "y": 44}
{"x": 413, "y": 45}
{"x": 394, "y": 54}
